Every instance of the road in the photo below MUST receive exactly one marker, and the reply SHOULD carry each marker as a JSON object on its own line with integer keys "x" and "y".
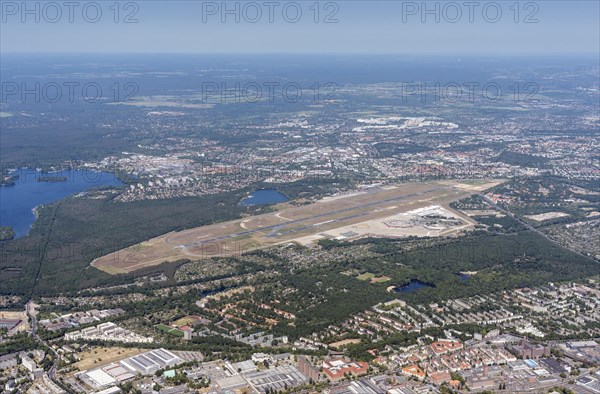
{"x": 531, "y": 228}
{"x": 31, "y": 312}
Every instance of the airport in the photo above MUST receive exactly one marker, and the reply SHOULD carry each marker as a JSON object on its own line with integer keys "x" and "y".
{"x": 361, "y": 213}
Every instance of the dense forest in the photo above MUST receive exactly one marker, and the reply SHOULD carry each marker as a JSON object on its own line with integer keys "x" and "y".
{"x": 324, "y": 296}
{"x": 69, "y": 234}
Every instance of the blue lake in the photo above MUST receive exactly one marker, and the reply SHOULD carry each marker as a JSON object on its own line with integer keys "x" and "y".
{"x": 264, "y": 197}
{"x": 18, "y": 200}
{"x": 463, "y": 277}
{"x": 414, "y": 284}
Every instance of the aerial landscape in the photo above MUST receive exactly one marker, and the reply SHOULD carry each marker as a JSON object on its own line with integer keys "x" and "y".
{"x": 340, "y": 197}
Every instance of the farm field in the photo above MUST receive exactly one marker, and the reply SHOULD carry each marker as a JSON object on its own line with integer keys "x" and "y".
{"x": 305, "y": 224}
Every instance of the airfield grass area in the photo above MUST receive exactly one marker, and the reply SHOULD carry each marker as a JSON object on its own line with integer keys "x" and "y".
{"x": 303, "y": 224}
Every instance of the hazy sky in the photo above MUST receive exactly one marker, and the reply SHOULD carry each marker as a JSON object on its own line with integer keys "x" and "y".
{"x": 480, "y": 27}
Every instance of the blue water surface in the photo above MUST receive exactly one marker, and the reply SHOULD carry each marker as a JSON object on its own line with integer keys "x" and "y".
{"x": 414, "y": 284}
{"x": 17, "y": 201}
{"x": 264, "y": 197}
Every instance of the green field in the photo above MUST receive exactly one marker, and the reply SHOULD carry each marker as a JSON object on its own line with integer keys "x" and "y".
{"x": 371, "y": 277}
{"x": 169, "y": 330}
{"x": 185, "y": 321}
{"x": 366, "y": 276}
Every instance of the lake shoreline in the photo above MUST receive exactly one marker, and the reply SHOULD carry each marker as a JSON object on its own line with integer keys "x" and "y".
{"x": 22, "y": 200}
{"x": 263, "y": 197}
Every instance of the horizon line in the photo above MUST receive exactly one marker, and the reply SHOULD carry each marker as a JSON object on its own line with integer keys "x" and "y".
{"x": 320, "y": 53}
